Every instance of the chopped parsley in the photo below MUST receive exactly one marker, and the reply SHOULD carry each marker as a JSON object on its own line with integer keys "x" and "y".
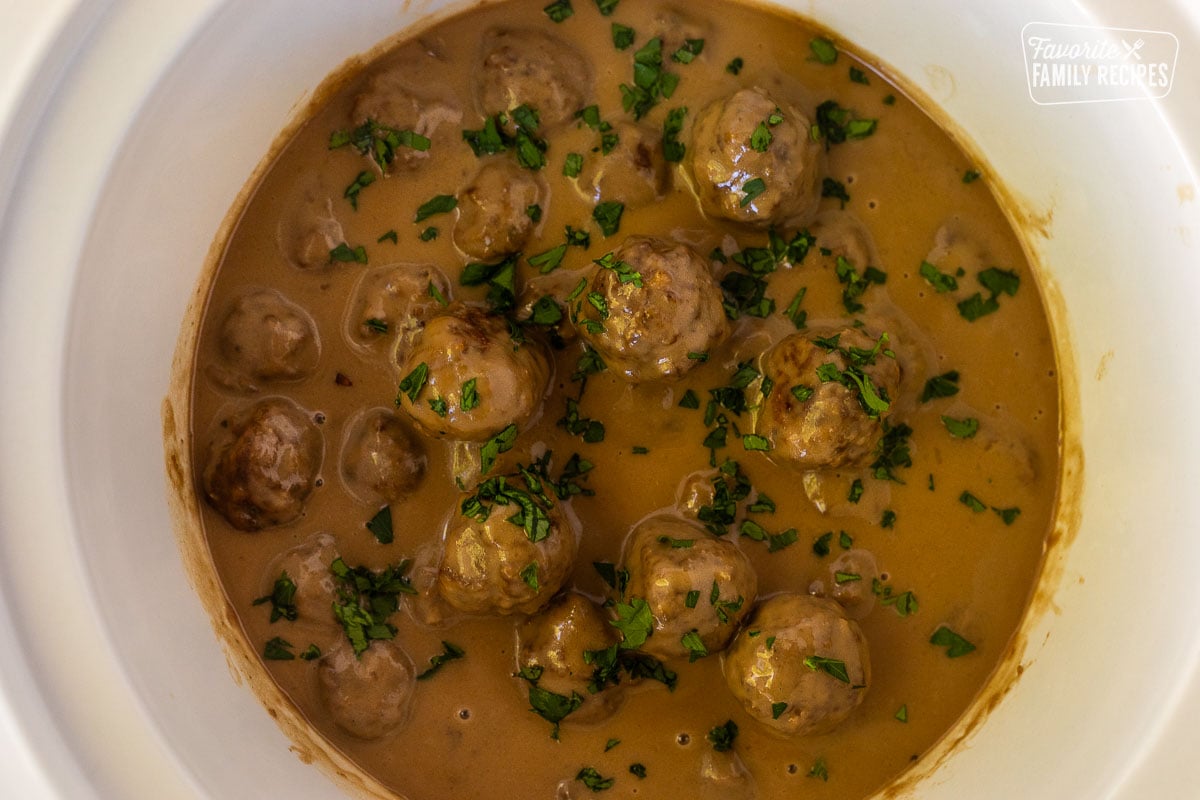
{"x": 836, "y": 125}
{"x": 971, "y": 175}
{"x": 651, "y": 83}
{"x": 689, "y": 400}
{"x": 494, "y": 138}
{"x": 735, "y": 66}
{"x": 833, "y": 667}
{"x": 892, "y": 452}
{"x": 469, "y": 396}
{"x": 673, "y": 149}
{"x": 593, "y": 780}
{"x": 858, "y": 76}
{"x": 559, "y": 10}
{"x": 856, "y": 284}
{"x": 606, "y": 7}
{"x": 622, "y": 36}
{"x": 529, "y": 574}
{"x": 502, "y": 442}
{"x": 819, "y": 770}
{"x": 961, "y": 428}
{"x": 278, "y": 649}
{"x": 955, "y": 644}
{"x": 550, "y": 706}
{"x": 365, "y": 600}
{"x": 972, "y": 502}
{"x": 390, "y": 236}
{"x": 608, "y": 216}
{"x": 572, "y": 165}
{"x": 997, "y": 281}
{"x": 777, "y": 710}
{"x": 752, "y": 189}
{"x": 380, "y": 525}
{"x": 362, "y": 181}
{"x": 282, "y": 598}
{"x": 500, "y": 277}
{"x": 438, "y": 204}
{"x": 450, "y": 652}
{"x": 902, "y": 713}
{"x": 944, "y": 385}
{"x": 888, "y": 519}
{"x": 344, "y": 254}
{"x": 1008, "y": 515}
{"x": 823, "y": 50}
{"x": 835, "y": 189}
{"x": 695, "y": 646}
{"x": 638, "y": 770}
{"x": 634, "y": 621}
{"x": 412, "y": 383}
{"x": 380, "y": 142}
{"x": 774, "y": 541}
{"x": 940, "y": 281}
{"x": 723, "y": 736}
{"x": 592, "y": 430}
{"x": 429, "y": 234}
{"x": 688, "y": 51}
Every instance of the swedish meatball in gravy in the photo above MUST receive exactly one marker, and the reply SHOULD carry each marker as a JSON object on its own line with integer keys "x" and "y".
{"x": 635, "y": 398}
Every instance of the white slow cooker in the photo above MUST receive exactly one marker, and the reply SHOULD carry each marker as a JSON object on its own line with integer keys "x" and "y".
{"x": 127, "y": 127}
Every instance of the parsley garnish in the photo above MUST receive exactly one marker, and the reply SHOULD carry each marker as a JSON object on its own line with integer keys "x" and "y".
{"x": 380, "y": 142}
{"x": 362, "y": 181}
{"x": 559, "y": 10}
{"x": 830, "y": 666}
{"x": 972, "y": 502}
{"x": 552, "y": 707}
{"x": 971, "y": 175}
{"x": 622, "y": 36}
{"x": 836, "y": 125}
{"x": 450, "y": 652}
{"x": 634, "y": 621}
{"x": 835, "y": 189}
{"x": 856, "y": 285}
{"x": 735, "y": 66}
{"x": 592, "y": 430}
{"x": 500, "y": 277}
{"x": 961, "y": 428}
{"x": 688, "y": 51}
{"x": 438, "y": 204}
{"x": 282, "y": 598}
{"x": 344, "y": 253}
{"x": 944, "y": 385}
{"x": 278, "y": 649}
{"x": 752, "y": 189}
{"x": 997, "y": 281}
{"x": 608, "y": 216}
{"x": 381, "y": 525}
{"x": 502, "y": 442}
{"x": 470, "y": 395}
{"x": 593, "y": 780}
{"x": 413, "y": 383}
{"x": 651, "y": 82}
{"x": 493, "y": 138}
{"x": 366, "y": 599}
{"x": 723, "y": 736}
{"x": 673, "y": 149}
{"x": 940, "y": 281}
{"x": 824, "y": 50}
{"x": 955, "y": 644}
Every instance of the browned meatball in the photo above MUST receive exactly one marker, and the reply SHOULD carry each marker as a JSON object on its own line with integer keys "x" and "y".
{"x": 394, "y": 99}
{"x": 263, "y": 465}
{"x": 556, "y": 640}
{"x": 493, "y": 211}
{"x": 652, "y": 310}
{"x": 754, "y": 161}
{"x": 531, "y": 68}
{"x": 695, "y": 585}
{"x": 476, "y": 379}
{"x": 368, "y": 695}
{"x": 308, "y": 230}
{"x": 307, "y": 567}
{"x": 814, "y": 423}
{"x": 634, "y": 172}
{"x": 266, "y": 338}
{"x": 799, "y": 665}
{"x": 394, "y": 301}
{"x": 491, "y": 564}
{"x": 381, "y": 459}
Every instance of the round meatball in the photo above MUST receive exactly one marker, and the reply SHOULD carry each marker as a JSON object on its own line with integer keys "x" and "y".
{"x": 308, "y": 231}
{"x": 651, "y": 307}
{"x": 556, "y": 638}
{"x": 394, "y": 300}
{"x": 813, "y": 423}
{"x": 367, "y": 695}
{"x": 493, "y": 211}
{"x": 491, "y": 565}
{"x": 802, "y": 652}
{"x": 634, "y": 172}
{"x": 263, "y": 465}
{"x": 754, "y": 161}
{"x": 394, "y": 98}
{"x": 534, "y": 69}
{"x": 306, "y": 566}
{"x": 467, "y": 379}
{"x": 381, "y": 459}
{"x": 266, "y": 337}
{"x": 692, "y": 583}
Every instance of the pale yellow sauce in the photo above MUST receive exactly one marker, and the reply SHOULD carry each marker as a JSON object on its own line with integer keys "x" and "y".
{"x": 471, "y": 732}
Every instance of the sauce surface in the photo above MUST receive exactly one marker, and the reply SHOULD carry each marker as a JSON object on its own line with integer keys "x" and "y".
{"x": 943, "y": 541}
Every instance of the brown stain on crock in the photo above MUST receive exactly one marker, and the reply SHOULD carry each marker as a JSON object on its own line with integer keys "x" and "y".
{"x": 1102, "y": 367}
{"x": 1027, "y": 218}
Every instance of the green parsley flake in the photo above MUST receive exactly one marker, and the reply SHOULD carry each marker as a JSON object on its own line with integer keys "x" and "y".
{"x": 414, "y": 382}
{"x": 752, "y": 189}
{"x": 380, "y": 525}
{"x": 955, "y": 644}
{"x": 450, "y": 652}
{"x": 824, "y": 50}
{"x": 608, "y": 216}
{"x": 622, "y": 36}
{"x": 278, "y": 649}
{"x": 559, "y": 10}
{"x": 735, "y": 66}
{"x": 961, "y": 428}
{"x": 362, "y": 181}
{"x": 438, "y": 204}
{"x": 572, "y": 165}
{"x": 344, "y": 254}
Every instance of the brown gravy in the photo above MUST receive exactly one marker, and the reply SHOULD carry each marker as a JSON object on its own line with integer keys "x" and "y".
{"x": 951, "y": 537}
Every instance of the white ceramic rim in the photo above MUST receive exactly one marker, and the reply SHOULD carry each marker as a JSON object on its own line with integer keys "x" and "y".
{"x": 92, "y": 722}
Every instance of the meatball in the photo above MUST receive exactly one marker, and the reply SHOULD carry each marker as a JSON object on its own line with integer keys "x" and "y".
{"x": 308, "y": 231}
{"x": 307, "y": 566}
{"x": 266, "y": 337}
{"x": 381, "y": 459}
{"x": 651, "y": 308}
{"x": 754, "y": 161}
{"x": 394, "y": 301}
{"x": 368, "y": 695}
{"x": 490, "y": 564}
{"x": 556, "y": 638}
{"x": 531, "y": 68}
{"x": 467, "y": 379}
{"x": 263, "y": 465}
{"x": 801, "y": 652}
{"x": 493, "y": 212}
{"x": 813, "y": 423}
{"x": 394, "y": 98}
{"x": 692, "y": 583}
{"x": 634, "y": 172}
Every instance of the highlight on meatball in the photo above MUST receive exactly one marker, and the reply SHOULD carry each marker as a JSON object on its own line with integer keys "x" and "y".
{"x": 534, "y": 69}
{"x": 799, "y": 666}
{"x": 381, "y": 459}
{"x": 828, "y": 397}
{"x": 299, "y": 582}
{"x": 263, "y": 464}
{"x": 465, "y": 378}
{"x": 505, "y": 551}
{"x": 753, "y": 161}
{"x": 368, "y": 695}
{"x": 555, "y": 641}
{"x": 696, "y": 587}
{"x": 493, "y": 211}
{"x": 634, "y": 172}
{"x": 393, "y": 302}
{"x": 266, "y": 338}
{"x": 652, "y": 310}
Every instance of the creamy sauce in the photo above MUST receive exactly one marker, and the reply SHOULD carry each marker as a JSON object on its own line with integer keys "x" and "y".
{"x": 469, "y": 730}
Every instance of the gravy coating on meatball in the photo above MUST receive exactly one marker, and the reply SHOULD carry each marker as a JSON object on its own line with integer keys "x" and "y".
{"x": 533, "y": 69}
{"x": 467, "y": 379}
{"x": 799, "y": 666}
{"x": 308, "y": 230}
{"x": 263, "y": 464}
{"x": 753, "y": 161}
{"x": 369, "y": 694}
{"x": 556, "y": 639}
{"x": 697, "y": 587}
{"x": 493, "y": 211}
{"x": 634, "y": 172}
{"x": 266, "y": 338}
{"x": 651, "y": 309}
{"x": 382, "y": 461}
{"x": 829, "y": 395}
{"x": 504, "y": 552}
{"x": 392, "y": 302}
